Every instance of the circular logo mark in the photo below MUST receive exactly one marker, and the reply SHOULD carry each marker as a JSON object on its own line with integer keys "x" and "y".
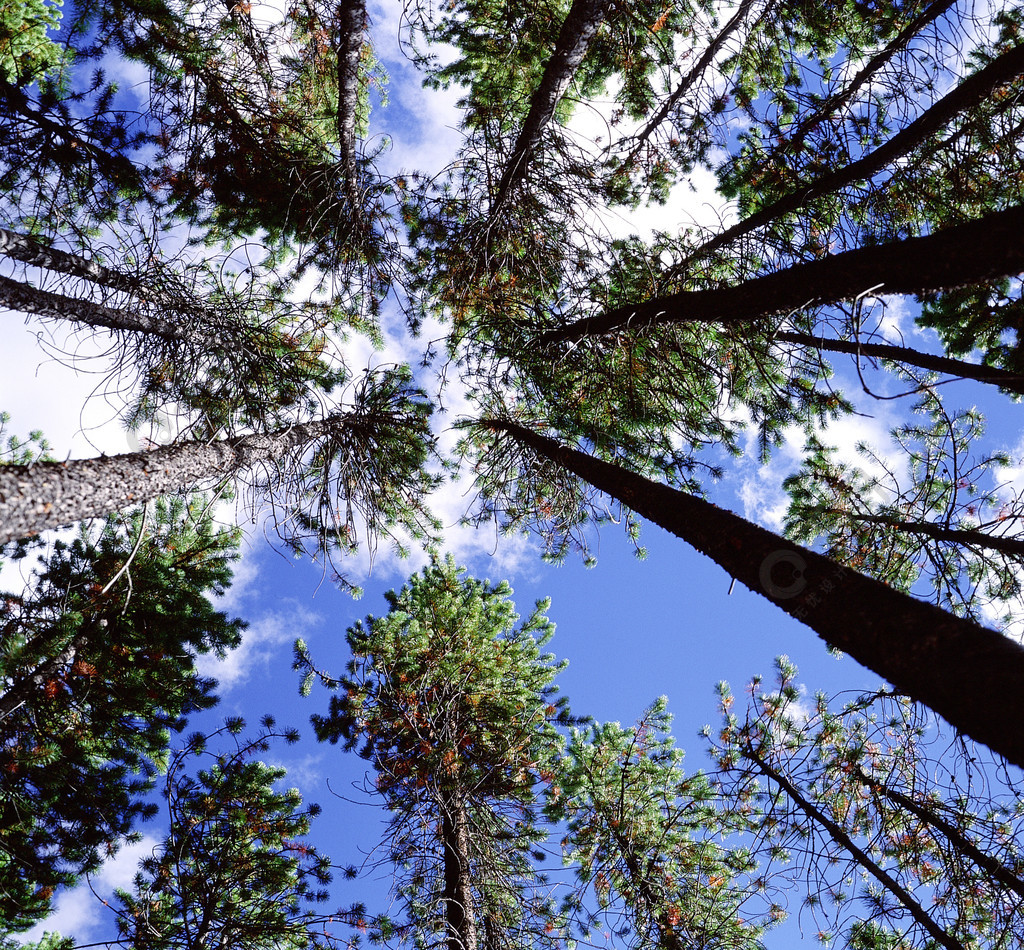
{"x": 163, "y": 429}
{"x": 795, "y": 586}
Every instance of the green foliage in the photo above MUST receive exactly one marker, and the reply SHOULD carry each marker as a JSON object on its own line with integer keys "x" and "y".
{"x": 27, "y": 53}
{"x": 452, "y": 702}
{"x": 15, "y": 450}
{"x": 646, "y": 840}
{"x": 898, "y": 837}
{"x": 97, "y": 667}
{"x": 236, "y": 868}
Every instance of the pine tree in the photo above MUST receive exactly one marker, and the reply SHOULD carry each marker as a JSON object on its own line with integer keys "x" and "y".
{"x": 897, "y": 837}
{"x": 647, "y": 840}
{"x": 236, "y": 868}
{"x": 452, "y": 702}
{"x": 97, "y": 665}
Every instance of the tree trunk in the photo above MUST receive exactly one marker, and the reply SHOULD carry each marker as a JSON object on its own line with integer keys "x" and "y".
{"x": 987, "y": 249}
{"x": 1014, "y": 547}
{"x": 970, "y": 675}
{"x": 706, "y": 59}
{"x": 47, "y": 495}
{"x": 967, "y": 95}
{"x": 1011, "y": 382}
{"x": 838, "y": 834}
{"x": 351, "y": 25}
{"x": 21, "y": 247}
{"x": 959, "y": 840}
{"x": 43, "y": 303}
{"x": 581, "y": 24}
{"x": 459, "y": 912}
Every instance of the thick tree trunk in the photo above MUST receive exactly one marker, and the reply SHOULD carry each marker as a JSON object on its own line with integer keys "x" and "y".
{"x": 967, "y": 95}
{"x": 351, "y": 25}
{"x": 21, "y": 247}
{"x": 43, "y": 303}
{"x": 983, "y": 250}
{"x": 581, "y": 24}
{"x": 838, "y": 834}
{"x": 1012, "y": 382}
{"x": 970, "y": 675}
{"x": 459, "y": 912}
{"x": 47, "y": 495}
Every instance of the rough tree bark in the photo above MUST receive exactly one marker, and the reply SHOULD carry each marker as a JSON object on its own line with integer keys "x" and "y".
{"x": 970, "y": 675}
{"x": 987, "y": 249}
{"x": 46, "y": 495}
{"x": 581, "y": 24}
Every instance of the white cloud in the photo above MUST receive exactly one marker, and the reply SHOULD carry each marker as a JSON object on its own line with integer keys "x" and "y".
{"x": 80, "y": 912}
{"x": 259, "y": 642}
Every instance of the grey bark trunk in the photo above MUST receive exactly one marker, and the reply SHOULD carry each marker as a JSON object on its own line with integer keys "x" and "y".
{"x": 47, "y": 495}
{"x": 970, "y": 675}
{"x": 43, "y": 303}
{"x": 21, "y": 247}
{"x": 986, "y": 249}
{"x": 351, "y": 21}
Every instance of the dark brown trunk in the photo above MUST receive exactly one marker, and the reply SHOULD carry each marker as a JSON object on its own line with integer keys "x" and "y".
{"x": 581, "y": 24}
{"x": 970, "y": 675}
{"x": 975, "y": 539}
{"x": 839, "y": 835}
{"x": 47, "y": 495}
{"x": 1012, "y": 382}
{"x": 967, "y": 95}
{"x": 983, "y": 250}
{"x": 459, "y": 912}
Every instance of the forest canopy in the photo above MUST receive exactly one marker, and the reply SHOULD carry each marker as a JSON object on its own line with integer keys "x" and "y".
{"x": 208, "y": 207}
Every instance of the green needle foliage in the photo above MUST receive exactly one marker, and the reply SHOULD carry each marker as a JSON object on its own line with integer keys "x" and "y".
{"x": 646, "y": 843}
{"x": 97, "y": 668}
{"x": 236, "y": 869}
{"x": 452, "y": 702}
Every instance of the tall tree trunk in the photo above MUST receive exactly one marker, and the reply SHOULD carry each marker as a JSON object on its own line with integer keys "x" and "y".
{"x": 838, "y": 834}
{"x": 970, "y": 675}
{"x": 698, "y": 70}
{"x": 940, "y": 532}
{"x": 43, "y": 303}
{"x": 351, "y": 25}
{"x": 581, "y": 24}
{"x": 987, "y": 249}
{"x": 1012, "y": 382}
{"x": 459, "y": 912}
{"x": 47, "y": 495}
{"x": 21, "y": 247}
{"x": 967, "y": 95}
